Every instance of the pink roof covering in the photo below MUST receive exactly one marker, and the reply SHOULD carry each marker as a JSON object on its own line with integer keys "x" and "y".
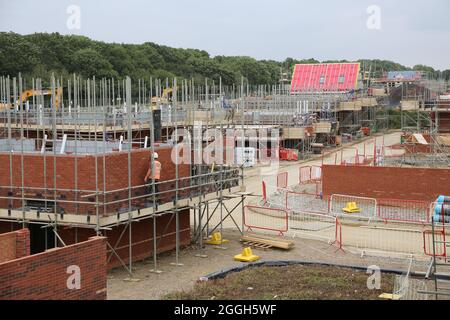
{"x": 325, "y": 77}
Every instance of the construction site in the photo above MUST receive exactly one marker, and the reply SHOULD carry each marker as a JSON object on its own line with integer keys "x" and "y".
{"x": 152, "y": 184}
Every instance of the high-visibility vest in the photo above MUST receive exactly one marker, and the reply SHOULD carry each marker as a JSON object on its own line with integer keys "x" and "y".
{"x": 157, "y": 174}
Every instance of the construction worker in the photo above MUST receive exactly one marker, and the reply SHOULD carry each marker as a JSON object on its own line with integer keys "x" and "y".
{"x": 156, "y": 176}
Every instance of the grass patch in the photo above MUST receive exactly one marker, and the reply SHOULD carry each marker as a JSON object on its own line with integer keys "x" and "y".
{"x": 296, "y": 282}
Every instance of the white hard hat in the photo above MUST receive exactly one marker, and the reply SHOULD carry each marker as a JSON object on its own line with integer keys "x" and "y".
{"x": 155, "y": 155}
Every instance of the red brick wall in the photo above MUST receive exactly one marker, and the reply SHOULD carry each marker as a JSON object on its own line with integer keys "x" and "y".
{"x": 386, "y": 182}
{"x": 444, "y": 121}
{"x": 22, "y": 243}
{"x": 418, "y": 148}
{"x": 38, "y": 173}
{"x": 7, "y": 246}
{"x": 14, "y": 245}
{"x": 142, "y": 237}
{"x": 44, "y": 275}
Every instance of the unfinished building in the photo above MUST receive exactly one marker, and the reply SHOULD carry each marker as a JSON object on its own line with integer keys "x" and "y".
{"x": 75, "y": 157}
{"x": 75, "y": 169}
{"x": 386, "y": 196}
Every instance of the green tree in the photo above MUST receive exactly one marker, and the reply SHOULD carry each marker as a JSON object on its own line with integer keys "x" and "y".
{"x": 89, "y": 63}
{"x": 40, "y": 54}
{"x": 17, "y": 54}
{"x": 118, "y": 57}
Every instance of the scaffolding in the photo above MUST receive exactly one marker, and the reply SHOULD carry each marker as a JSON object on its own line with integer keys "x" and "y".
{"x": 422, "y": 116}
{"x": 101, "y": 123}
{"x": 99, "y": 126}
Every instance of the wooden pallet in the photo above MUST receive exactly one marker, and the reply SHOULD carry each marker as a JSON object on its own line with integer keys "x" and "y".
{"x": 268, "y": 242}
{"x": 256, "y": 245}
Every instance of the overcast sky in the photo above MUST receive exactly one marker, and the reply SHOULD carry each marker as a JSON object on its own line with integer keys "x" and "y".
{"x": 412, "y": 32}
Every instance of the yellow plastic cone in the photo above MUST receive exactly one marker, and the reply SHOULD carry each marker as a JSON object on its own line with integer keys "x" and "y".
{"x": 246, "y": 256}
{"x": 351, "y": 207}
{"x": 216, "y": 239}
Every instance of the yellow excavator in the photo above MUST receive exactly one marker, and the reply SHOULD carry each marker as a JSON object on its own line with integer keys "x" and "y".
{"x": 165, "y": 98}
{"x": 27, "y": 94}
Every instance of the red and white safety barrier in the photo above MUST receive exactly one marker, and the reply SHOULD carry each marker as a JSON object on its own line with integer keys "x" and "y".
{"x": 267, "y": 219}
{"x": 367, "y": 207}
{"x": 440, "y": 249}
{"x": 370, "y": 238}
{"x": 264, "y": 191}
{"x": 313, "y": 226}
{"x": 282, "y": 180}
{"x": 376, "y": 226}
{"x": 411, "y": 211}
{"x": 306, "y": 202}
{"x": 338, "y": 235}
{"x": 275, "y": 197}
{"x": 310, "y": 174}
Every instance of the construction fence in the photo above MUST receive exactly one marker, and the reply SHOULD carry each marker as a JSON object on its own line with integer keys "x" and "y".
{"x": 357, "y": 224}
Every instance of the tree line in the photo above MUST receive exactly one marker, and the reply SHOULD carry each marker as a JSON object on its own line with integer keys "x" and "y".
{"x": 41, "y": 54}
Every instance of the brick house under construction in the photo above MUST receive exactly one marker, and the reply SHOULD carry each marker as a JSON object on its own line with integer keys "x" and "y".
{"x": 68, "y": 175}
